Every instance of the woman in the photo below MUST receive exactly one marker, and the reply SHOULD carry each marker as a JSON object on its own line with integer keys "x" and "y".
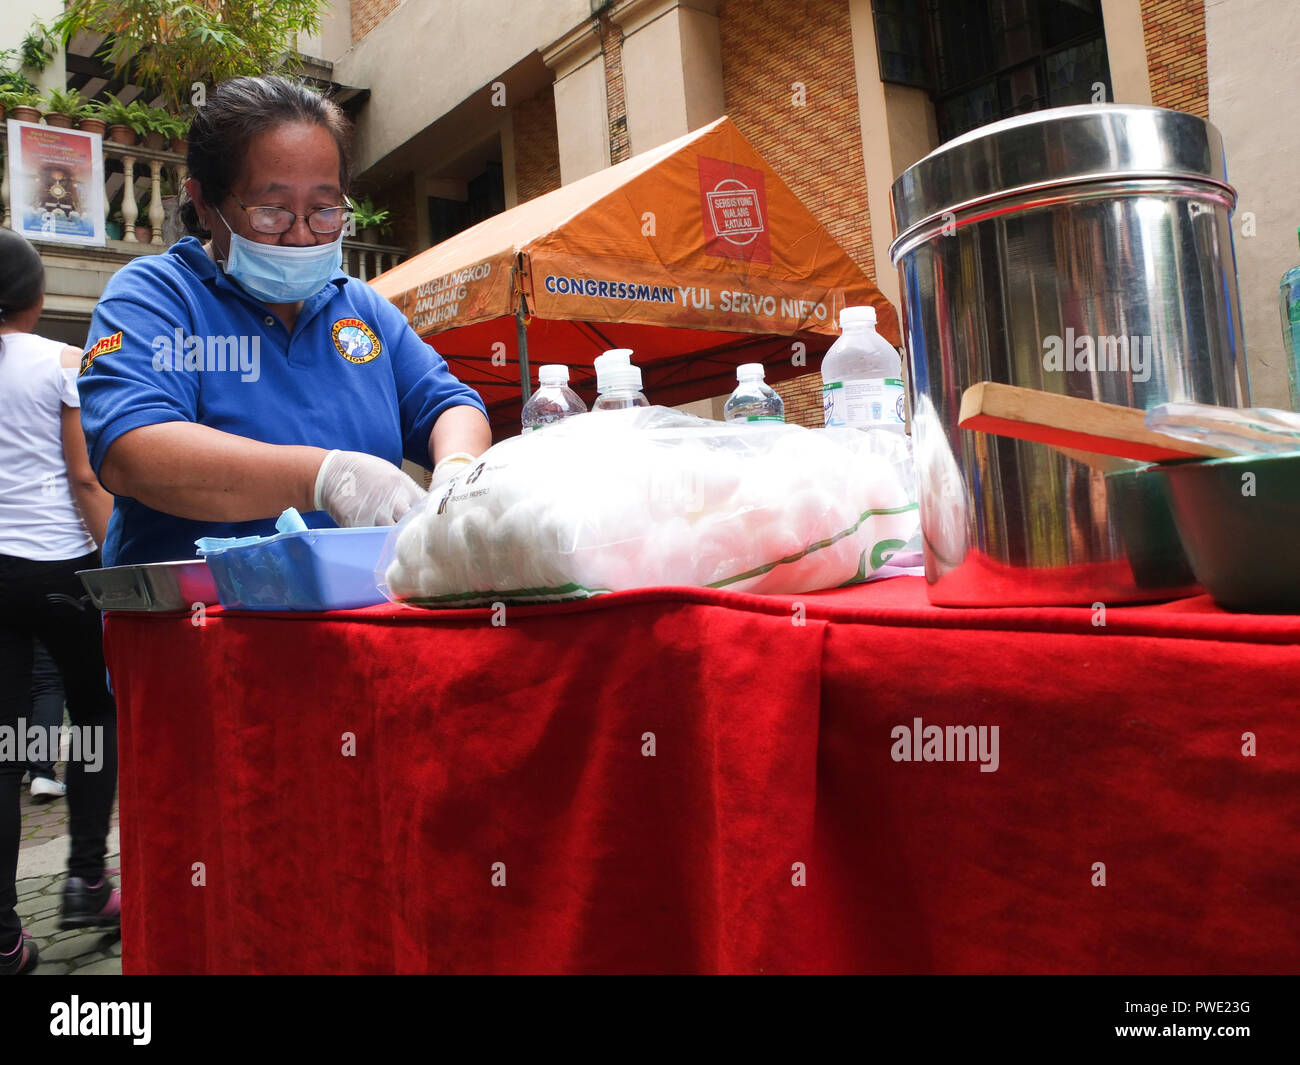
{"x": 52, "y": 512}
{"x": 229, "y": 380}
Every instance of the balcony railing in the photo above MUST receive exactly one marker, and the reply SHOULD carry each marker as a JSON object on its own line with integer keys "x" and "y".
{"x": 151, "y": 221}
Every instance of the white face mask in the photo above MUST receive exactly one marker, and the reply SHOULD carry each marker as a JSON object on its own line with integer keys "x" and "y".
{"x": 280, "y": 274}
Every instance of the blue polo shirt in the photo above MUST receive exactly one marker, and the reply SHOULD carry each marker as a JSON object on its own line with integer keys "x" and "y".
{"x": 174, "y": 339}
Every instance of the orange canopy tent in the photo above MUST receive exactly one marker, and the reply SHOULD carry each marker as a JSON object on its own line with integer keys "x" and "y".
{"x": 694, "y": 254}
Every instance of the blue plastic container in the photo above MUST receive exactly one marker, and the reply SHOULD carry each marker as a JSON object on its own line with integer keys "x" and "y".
{"x": 316, "y": 569}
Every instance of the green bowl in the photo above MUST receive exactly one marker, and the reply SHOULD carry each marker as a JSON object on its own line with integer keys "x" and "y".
{"x": 1238, "y": 519}
{"x": 1139, "y": 506}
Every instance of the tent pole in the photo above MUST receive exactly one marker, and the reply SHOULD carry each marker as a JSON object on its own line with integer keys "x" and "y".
{"x": 521, "y": 335}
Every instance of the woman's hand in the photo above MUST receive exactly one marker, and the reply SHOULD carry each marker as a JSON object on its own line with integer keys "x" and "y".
{"x": 361, "y": 490}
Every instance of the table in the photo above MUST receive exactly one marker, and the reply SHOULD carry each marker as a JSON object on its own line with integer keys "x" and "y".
{"x": 679, "y": 780}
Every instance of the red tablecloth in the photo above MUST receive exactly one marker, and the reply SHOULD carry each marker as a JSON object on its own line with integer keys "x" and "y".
{"x": 348, "y": 791}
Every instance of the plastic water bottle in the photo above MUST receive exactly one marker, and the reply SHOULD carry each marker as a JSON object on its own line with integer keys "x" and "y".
{"x": 753, "y": 400}
{"x": 1289, "y": 304}
{"x": 618, "y": 382}
{"x": 862, "y": 376}
{"x": 553, "y": 401}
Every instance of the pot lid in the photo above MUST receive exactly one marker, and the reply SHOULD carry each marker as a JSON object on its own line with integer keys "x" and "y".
{"x": 1058, "y": 146}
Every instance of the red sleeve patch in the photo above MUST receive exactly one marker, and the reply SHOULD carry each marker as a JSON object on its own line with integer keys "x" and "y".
{"x": 100, "y": 347}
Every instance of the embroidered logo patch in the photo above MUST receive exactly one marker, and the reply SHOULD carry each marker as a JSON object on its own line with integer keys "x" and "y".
{"x": 355, "y": 340}
{"x": 101, "y": 347}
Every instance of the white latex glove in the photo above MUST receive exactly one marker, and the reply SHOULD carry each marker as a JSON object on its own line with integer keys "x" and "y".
{"x": 361, "y": 490}
{"x": 448, "y": 467}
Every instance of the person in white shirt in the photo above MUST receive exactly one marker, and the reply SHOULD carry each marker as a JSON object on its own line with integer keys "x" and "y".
{"x": 53, "y": 513}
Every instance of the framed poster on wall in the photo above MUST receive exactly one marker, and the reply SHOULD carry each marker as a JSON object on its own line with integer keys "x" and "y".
{"x": 56, "y": 184}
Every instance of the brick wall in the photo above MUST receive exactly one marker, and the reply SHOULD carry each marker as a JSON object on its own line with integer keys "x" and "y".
{"x": 611, "y": 45}
{"x": 1175, "y": 41}
{"x": 367, "y": 14}
{"x": 802, "y": 397}
{"x": 537, "y": 146}
{"x": 767, "y": 46}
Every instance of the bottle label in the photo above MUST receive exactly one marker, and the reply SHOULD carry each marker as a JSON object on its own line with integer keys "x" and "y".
{"x": 765, "y": 418}
{"x": 864, "y": 404}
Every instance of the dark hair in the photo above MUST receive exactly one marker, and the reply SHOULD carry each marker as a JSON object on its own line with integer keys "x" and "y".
{"x": 239, "y": 110}
{"x": 22, "y": 276}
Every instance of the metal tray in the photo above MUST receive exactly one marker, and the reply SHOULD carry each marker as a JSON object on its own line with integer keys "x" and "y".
{"x": 154, "y": 587}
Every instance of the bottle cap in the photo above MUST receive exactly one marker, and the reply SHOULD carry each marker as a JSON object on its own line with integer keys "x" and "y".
{"x": 553, "y": 375}
{"x": 857, "y": 316}
{"x": 751, "y": 371}
{"x": 614, "y": 371}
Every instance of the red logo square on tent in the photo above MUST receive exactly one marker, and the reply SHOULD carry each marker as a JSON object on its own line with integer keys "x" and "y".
{"x": 733, "y": 200}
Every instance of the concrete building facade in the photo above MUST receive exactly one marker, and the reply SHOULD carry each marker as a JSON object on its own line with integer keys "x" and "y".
{"x": 585, "y": 82}
{"x": 477, "y": 105}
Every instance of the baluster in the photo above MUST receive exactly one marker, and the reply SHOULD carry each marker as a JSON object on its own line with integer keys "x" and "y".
{"x": 130, "y": 209}
{"x": 156, "y": 213}
{"x": 363, "y": 257}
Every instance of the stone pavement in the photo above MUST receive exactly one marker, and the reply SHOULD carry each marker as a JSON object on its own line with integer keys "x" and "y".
{"x": 42, "y": 863}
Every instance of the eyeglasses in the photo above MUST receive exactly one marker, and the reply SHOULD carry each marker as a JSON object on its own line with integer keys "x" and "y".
{"x": 273, "y": 221}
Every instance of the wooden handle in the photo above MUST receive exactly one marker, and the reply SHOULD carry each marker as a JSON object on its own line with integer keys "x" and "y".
{"x": 1070, "y": 423}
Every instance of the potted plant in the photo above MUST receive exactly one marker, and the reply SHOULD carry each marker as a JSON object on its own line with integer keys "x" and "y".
{"x": 92, "y": 119}
{"x": 22, "y": 105}
{"x": 371, "y": 221}
{"x": 180, "y": 131}
{"x": 14, "y": 85}
{"x": 173, "y": 130}
{"x": 63, "y": 107}
{"x": 114, "y": 227}
{"x": 38, "y": 48}
{"x": 122, "y": 119}
{"x": 157, "y": 126}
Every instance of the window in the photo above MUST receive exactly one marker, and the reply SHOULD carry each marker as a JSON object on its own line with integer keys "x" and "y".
{"x": 982, "y": 60}
{"x": 485, "y": 196}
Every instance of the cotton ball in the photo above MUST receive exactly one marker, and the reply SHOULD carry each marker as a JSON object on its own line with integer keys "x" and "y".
{"x": 719, "y": 549}
{"x": 410, "y": 547}
{"x": 555, "y": 532}
{"x": 815, "y": 517}
{"x": 873, "y": 484}
{"x": 399, "y": 580}
{"x": 669, "y": 557}
{"x": 711, "y": 482}
{"x": 455, "y": 564}
{"x": 668, "y": 484}
{"x": 520, "y": 536}
{"x": 476, "y": 534}
{"x": 437, "y": 535}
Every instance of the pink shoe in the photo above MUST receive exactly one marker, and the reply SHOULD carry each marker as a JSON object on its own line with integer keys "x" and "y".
{"x": 90, "y": 905}
{"x": 22, "y": 959}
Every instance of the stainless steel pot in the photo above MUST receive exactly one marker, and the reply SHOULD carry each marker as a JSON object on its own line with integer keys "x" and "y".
{"x": 1081, "y": 250}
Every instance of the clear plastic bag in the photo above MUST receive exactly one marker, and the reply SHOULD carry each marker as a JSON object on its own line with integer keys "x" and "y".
{"x": 1247, "y": 431}
{"x": 649, "y": 497}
